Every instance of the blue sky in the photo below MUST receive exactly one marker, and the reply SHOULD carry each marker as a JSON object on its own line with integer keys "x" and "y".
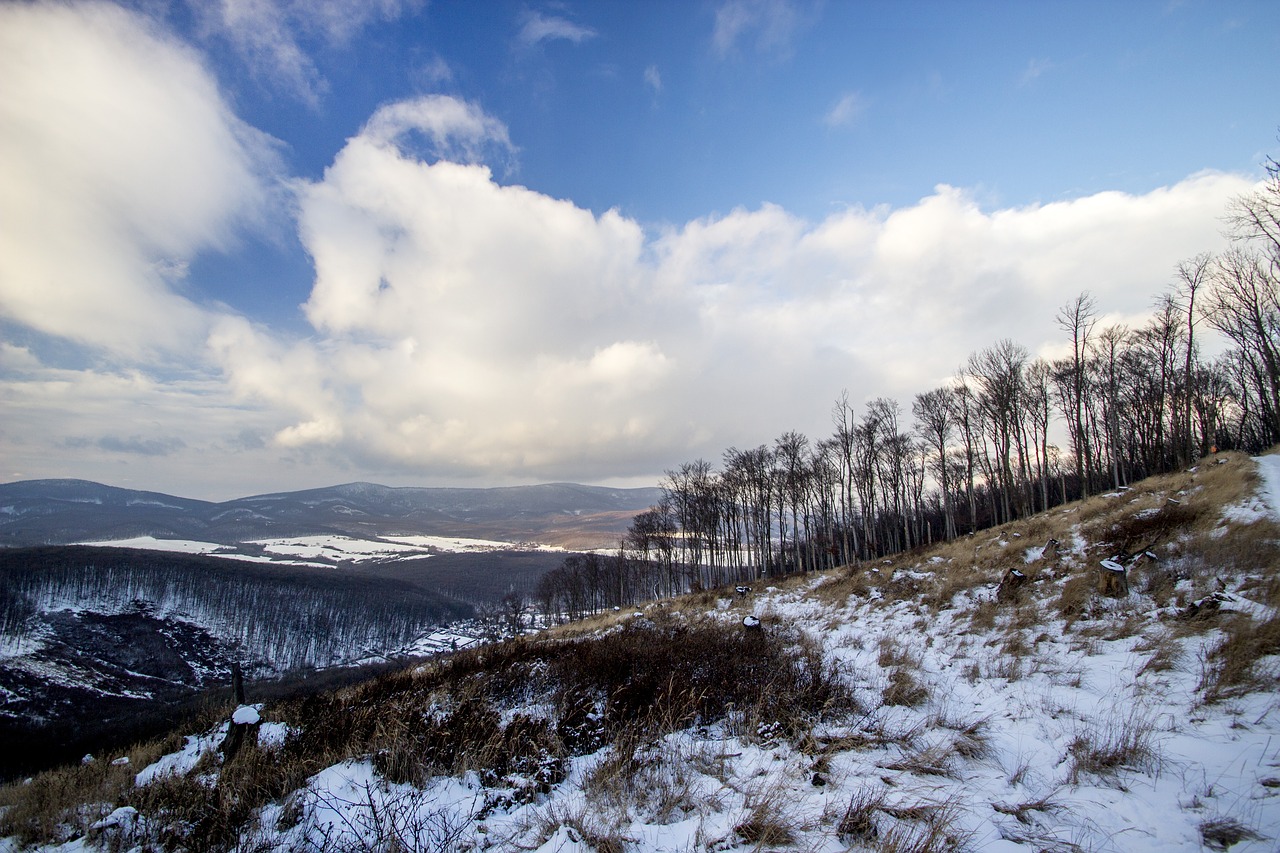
{"x": 268, "y": 245}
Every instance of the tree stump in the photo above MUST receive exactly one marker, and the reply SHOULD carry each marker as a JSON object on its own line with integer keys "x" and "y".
{"x": 1010, "y": 586}
{"x": 244, "y": 721}
{"x": 1050, "y": 550}
{"x": 1113, "y": 580}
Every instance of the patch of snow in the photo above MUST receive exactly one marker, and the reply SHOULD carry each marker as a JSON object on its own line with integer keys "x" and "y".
{"x": 247, "y": 715}
{"x": 1269, "y": 469}
{"x": 184, "y": 760}
{"x": 1248, "y": 511}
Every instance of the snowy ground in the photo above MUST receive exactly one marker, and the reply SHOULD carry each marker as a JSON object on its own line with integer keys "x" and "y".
{"x": 1026, "y": 735}
{"x": 325, "y": 551}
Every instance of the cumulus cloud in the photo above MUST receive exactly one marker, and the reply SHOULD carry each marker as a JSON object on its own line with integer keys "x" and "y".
{"x": 454, "y": 130}
{"x": 119, "y": 161}
{"x": 465, "y": 327}
{"x": 538, "y": 28}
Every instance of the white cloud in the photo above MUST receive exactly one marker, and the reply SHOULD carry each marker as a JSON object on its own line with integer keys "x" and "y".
{"x": 1034, "y": 70}
{"x": 468, "y": 328}
{"x": 773, "y": 23}
{"x": 653, "y": 79}
{"x": 848, "y": 109}
{"x": 456, "y": 130}
{"x": 119, "y": 161}
{"x": 538, "y": 28}
{"x": 267, "y": 34}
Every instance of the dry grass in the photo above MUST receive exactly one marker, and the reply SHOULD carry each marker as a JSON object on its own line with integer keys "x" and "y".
{"x": 1166, "y": 652}
{"x": 1022, "y": 811}
{"x": 1236, "y": 664}
{"x": 62, "y": 804}
{"x": 767, "y": 822}
{"x": 925, "y": 828}
{"x": 1103, "y": 750}
{"x": 657, "y": 783}
{"x": 1221, "y": 833}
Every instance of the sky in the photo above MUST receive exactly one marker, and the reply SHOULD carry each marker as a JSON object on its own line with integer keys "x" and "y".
{"x": 262, "y": 245}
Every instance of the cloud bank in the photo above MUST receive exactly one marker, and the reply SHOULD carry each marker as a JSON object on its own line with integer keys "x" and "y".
{"x": 120, "y": 161}
{"x": 463, "y": 329}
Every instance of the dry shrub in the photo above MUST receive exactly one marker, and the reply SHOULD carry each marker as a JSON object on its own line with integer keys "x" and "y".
{"x": 858, "y": 823}
{"x": 932, "y": 760}
{"x": 955, "y": 579}
{"x": 1105, "y": 749}
{"x": 766, "y": 823}
{"x": 983, "y": 616}
{"x": 583, "y": 827}
{"x": 1138, "y": 529}
{"x": 889, "y": 652}
{"x": 852, "y": 580}
{"x": 1243, "y": 549}
{"x": 1233, "y": 666}
{"x": 663, "y": 677}
{"x": 1076, "y": 595}
{"x": 970, "y": 740}
{"x": 904, "y": 689}
{"x": 209, "y": 811}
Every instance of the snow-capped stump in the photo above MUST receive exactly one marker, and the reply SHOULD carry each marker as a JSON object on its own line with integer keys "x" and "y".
{"x": 1010, "y": 585}
{"x": 246, "y": 715}
{"x": 121, "y": 819}
{"x": 1050, "y": 551}
{"x": 743, "y": 590}
{"x": 1113, "y": 581}
{"x": 750, "y": 622}
{"x": 244, "y": 721}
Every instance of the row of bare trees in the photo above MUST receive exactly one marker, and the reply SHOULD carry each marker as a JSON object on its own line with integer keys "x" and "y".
{"x": 982, "y": 449}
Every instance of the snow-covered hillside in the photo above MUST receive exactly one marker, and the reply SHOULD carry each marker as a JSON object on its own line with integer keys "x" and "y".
{"x": 985, "y": 695}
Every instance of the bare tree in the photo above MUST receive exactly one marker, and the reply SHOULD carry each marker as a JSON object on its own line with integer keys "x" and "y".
{"x": 935, "y": 414}
{"x": 1078, "y": 318}
{"x": 1193, "y": 275}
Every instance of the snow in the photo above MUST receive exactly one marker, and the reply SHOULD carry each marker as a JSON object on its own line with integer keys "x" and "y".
{"x": 247, "y": 715}
{"x": 324, "y": 551}
{"x": 997, "y": 754}
{"x": 1269, "y": 471}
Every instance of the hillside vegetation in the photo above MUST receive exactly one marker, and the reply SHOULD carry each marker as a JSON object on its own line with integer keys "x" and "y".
{"x": 1004, "y": 691}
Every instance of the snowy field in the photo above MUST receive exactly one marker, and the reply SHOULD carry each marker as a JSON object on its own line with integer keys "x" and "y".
{"x": 1023, "y": 731}
{"x": 325, "y": 551}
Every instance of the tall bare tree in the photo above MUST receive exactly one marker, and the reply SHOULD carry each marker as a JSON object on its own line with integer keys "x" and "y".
{"x": 1078, "y": 318}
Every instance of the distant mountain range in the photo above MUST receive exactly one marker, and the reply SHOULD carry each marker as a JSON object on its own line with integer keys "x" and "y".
{"x": 54, "y": 512}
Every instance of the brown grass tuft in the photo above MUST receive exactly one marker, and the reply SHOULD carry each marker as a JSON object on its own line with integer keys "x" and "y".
{"x": 1234, "y": 665}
